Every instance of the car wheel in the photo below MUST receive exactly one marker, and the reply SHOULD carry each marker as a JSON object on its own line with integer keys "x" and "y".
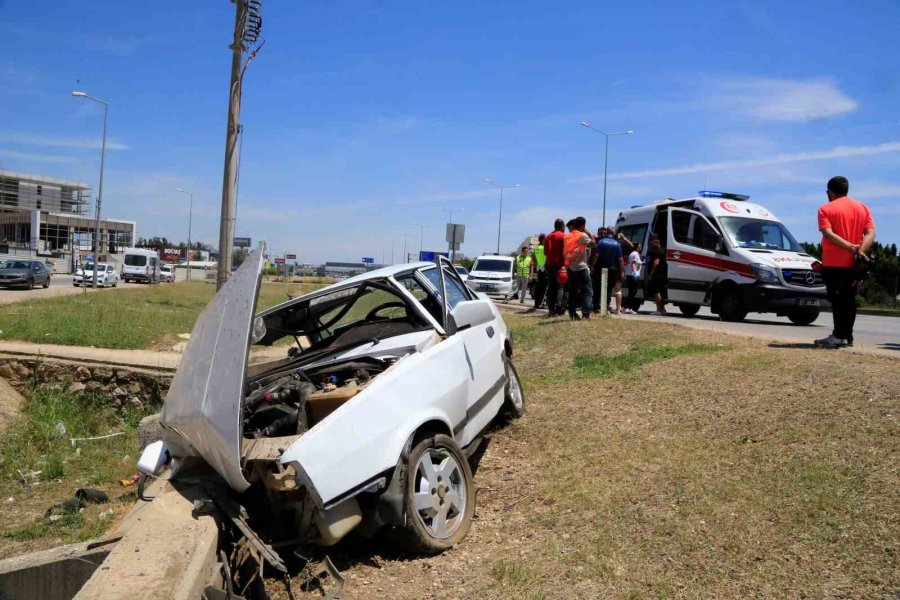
{"x": 803, "y": 317}
{"x": 513, "y": 393}
{"x": 439, "y": 496}
{"x": 689, "y": 310}
{"x": 30, "y": 284}
{"x": 731, "y": 307}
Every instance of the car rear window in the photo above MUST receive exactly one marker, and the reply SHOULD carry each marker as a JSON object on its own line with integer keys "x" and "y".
{"x": 135, "y": 260}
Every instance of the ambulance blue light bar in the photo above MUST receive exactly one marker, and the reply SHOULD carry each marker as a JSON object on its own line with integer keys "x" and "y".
{"x": 726, "y": 195}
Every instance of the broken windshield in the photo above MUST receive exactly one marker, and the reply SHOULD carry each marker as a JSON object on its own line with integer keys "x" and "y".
{"x": 369, "y": 310}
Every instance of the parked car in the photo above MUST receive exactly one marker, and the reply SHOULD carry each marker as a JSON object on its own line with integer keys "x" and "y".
{"x": 492, "y": 274}
{"x": 106, "y": 275}
{"x": 365, "y": 423}
{"x": 24, "y": 273}
{"x": 166, "y": 274}
{"x": 462, "y": 272}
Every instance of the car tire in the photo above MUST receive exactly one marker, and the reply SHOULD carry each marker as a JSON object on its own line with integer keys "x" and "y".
{"x": 439, "y": 504}
{"x": 731, "y": 307}
{"x": 689, "y": 310}
{"x": 803, "y": 317}
{"x": 513, "y": 393}
{"x": 30, "y": 284}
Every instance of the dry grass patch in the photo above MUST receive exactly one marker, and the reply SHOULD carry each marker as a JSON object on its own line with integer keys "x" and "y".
{"x": 747, "y": 471}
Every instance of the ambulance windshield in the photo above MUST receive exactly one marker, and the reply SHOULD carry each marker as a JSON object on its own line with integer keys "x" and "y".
{"x": 759, "y": 233}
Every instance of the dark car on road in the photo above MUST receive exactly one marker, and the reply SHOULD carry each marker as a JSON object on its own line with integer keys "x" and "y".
{"x": 23, "y": 273}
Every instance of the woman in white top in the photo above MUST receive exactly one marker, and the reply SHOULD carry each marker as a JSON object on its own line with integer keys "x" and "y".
{"x": 632, "y": 278}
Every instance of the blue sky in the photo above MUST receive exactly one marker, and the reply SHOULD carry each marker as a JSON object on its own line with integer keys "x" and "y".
{"x": 363, "y": 118}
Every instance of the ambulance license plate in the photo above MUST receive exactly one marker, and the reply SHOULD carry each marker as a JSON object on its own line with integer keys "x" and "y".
{"x": 809, "y": 302}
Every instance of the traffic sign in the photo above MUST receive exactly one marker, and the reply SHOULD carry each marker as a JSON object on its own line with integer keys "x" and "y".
{"x": 291, "y": 256}
{"x": 241, "y": 242}
{"x": 279, "y": 261}
{"x": 368, "y": 260}
{"x": 426, "y": 255}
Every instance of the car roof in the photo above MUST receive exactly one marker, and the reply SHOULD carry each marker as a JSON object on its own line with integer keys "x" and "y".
{"x": 389, "y": 271}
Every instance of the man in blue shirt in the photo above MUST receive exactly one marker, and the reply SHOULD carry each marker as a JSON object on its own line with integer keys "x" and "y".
{"x": 609, "y": 256}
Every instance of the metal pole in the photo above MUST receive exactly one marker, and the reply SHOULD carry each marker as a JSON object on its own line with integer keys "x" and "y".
{"x": 226, "y": 227}
{"x": 605, "y": 167}
{"x": 421, "y": 238}
{"x": 604, "y": 299}
{"x": 99, "y": 197}
{"x": 405, "y": 253}
{"x": 499, "y": 220}
{"x": 190, "y": 218}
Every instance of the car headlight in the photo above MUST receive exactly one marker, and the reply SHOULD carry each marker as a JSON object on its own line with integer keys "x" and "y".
{"x": 765, "y": 273}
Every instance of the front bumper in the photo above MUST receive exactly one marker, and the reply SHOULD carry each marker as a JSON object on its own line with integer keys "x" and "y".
{"x": 779, "y": 299}
{"x": 492, "y": 287}
{"x": 13, "y": 282}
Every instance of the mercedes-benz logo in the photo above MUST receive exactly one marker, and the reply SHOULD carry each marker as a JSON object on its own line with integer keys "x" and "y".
{"x": 810, "y": 277}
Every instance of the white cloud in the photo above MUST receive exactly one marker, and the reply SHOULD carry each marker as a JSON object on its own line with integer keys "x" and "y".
{"x": 53, "y": 158}
{"x": 785, "y": 100}
{"x": 25, "y": 139}
{"x": 751, "y": 163}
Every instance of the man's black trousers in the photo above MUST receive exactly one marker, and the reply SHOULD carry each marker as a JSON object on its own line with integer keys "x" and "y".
{"x": 841, "y": 285}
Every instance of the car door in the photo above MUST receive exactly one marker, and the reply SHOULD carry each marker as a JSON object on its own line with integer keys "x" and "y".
{"x": 694, "y": 255}
{"x": 483, "y": 346}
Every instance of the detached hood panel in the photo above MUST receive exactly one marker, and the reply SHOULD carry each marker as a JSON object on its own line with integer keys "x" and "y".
{"x": 202, "y": 413}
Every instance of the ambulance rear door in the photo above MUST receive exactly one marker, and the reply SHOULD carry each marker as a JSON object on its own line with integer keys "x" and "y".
{"x": 695, "y": 253}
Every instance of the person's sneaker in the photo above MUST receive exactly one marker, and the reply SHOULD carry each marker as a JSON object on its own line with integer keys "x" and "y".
{"x": 627, "y": 311}
{"x": 849, "y": 343}
{"x": 831, "y": 342}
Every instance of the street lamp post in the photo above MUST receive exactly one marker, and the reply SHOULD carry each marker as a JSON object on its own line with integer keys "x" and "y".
{"x": 421, "y": 236}
{"x": 100, "y": 190}
{"x": 190, "y": 218}
{"x": 500, "y": 217}
{"x": 605, "y": 159}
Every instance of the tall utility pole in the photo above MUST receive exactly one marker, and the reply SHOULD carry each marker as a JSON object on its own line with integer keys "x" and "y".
{"x": 247, "y": 24}
{"x": 97, "y": 244}
{"x": 605, "y": 159}
{"x": 190, "y": 218}
{"x": 500, "y": 216}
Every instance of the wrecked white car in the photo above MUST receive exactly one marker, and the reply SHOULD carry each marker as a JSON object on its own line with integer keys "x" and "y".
{"x": 386, "y": 387}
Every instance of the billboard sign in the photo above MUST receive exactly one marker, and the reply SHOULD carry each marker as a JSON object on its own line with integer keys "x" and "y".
{"x": 291, "y": 256}
{"x": 241, "y": 242}
{"x": 368, "y": 260}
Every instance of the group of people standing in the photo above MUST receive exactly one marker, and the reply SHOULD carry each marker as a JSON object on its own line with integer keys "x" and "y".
{"x": 567, "y": 270}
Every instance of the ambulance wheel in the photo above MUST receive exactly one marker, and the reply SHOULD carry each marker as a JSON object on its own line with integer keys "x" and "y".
{"x": 803, "y": 317}
{"x": 689, "y": 310}
{"x": 731, "y": 307}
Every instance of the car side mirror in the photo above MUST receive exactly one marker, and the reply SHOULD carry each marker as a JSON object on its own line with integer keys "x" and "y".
{"x": 720, "y": 244}
{"x": 471, "y": 313}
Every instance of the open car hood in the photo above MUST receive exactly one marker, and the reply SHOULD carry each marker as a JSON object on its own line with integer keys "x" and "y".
{"x": 202, "y": 412}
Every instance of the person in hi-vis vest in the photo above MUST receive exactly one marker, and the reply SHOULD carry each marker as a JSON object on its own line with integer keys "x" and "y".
{"x": 524, "y": 271}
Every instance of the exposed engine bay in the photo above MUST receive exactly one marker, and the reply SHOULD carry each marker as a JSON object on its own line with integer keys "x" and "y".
{"x": 290, "y": 402}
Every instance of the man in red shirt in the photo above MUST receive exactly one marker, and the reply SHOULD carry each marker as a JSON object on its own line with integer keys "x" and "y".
{"x": 847, "y": 233}
{"x": 554, "y": 245}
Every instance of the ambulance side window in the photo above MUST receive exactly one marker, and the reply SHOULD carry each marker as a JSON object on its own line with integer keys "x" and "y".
{"x": 704, "y": 235}
{"x": 661, "y": 227}
{"x": 681, "y": 224}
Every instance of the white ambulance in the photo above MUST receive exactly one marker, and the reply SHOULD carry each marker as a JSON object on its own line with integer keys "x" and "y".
{"x": 729, "y": 254}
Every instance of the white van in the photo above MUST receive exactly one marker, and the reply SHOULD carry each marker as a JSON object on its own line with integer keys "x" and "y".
{"x": 731, "y": 255}
{"x": 492, "y": 274}
{"x": 140, "y": 264}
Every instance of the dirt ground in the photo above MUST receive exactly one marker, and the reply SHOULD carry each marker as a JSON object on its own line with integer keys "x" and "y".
{"x": 11, "y": 403}
{"x": 742, "y": 471}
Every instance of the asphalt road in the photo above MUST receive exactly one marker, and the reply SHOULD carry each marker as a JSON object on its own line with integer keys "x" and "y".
{"x": 60, "y": 285}
{"x": 878, "y": 332}
{"x": 872, "y": 333}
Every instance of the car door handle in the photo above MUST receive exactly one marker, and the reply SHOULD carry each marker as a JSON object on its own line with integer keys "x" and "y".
{"x": 490, "y": 331}
{"x": 676, "y": 254}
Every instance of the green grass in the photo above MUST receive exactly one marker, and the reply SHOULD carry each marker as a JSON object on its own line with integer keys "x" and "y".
{"x": 39, "y": 441}
{"x": 134, "y": 318}
{"x": 602, "y": 365}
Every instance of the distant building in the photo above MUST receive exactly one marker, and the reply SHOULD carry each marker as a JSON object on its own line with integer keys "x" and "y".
{"x": 45, "y": 217}
{"x": 341, "y": 268}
